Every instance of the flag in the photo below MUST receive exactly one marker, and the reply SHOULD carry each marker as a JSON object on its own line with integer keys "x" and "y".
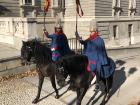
{"x": 79, "y": 8}
{"x": 46, "y": 5}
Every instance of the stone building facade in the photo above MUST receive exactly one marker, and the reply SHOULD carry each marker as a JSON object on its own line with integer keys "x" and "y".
{"x": 118, "y": 20}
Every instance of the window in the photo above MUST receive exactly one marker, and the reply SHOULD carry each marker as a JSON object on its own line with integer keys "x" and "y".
{"x": 58, "y": 6}
{"x": 115, "y": 31}
{"x": 132, "y": 7}
{"x": 116, "y": 7}
{"x": 130, "y": 29}
{"x": 28, "y": 2}
{"x": 116, "y": 3}
{"x": 132, "y": 4}
{"x": 59, "y": 3}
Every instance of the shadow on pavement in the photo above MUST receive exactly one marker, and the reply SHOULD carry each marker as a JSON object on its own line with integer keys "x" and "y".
{"x": 119, "y": 63}
{"x": 119, "y": 79}
{"x": 54, "y": 92}
{"x": 132, "y": 71}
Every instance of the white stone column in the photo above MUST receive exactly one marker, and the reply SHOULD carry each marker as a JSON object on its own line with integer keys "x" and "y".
{"x": 33, "y": 2}
{"x": 6, "y": 30}
{"x": 34, "y": 12}
{"x": 32, "y": 28}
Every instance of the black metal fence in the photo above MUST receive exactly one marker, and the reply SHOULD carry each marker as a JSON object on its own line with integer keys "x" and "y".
{"x": 75, "y": 45}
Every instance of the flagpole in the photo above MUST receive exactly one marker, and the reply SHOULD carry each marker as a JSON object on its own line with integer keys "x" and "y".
{"x": 76, "y": 24}
{"x": 44, "y": 23}
{"x": 46, "y": 7}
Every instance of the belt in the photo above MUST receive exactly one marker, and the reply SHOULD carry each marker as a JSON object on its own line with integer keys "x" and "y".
{"x": 53, "y": 49}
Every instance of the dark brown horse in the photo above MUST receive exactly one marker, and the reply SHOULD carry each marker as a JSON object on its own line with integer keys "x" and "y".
{"x": 42, "y": 57}
{"x": 80, "y": 79}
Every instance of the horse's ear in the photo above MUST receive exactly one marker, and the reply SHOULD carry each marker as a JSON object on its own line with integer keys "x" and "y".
{"x": 23, "y": 42}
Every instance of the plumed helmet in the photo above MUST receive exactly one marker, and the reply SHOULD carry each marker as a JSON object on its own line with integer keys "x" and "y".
{"x": 93, "y": 25}
{"x": 58, "y": 26}
{"x": 58, "y": 23}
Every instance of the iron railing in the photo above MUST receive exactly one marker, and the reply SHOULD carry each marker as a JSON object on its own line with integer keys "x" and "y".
{"x": 73, "y": 43}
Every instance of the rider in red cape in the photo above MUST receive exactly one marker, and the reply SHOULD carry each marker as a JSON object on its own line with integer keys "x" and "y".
{"x": 94, "y": 49}
{"x": 59, "y": 44}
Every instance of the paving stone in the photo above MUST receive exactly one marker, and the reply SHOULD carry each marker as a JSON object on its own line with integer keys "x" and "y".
{"x": 19, "y": 92}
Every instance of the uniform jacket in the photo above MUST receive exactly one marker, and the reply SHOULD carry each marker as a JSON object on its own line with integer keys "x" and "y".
{"x": 59, "y": 45}
{"x": 94, "y": 49}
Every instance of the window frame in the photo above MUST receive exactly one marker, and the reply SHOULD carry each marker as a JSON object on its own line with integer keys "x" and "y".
{"x": 117, "y": 4}
{"x": 28, "y": 3}
{"x": 132, "y": 7}
{"x": 24, "y": 2}
{"x": 130, "y": 32}
{"x": 116, "y": 8}
{"x": 58, "y": 3}
{"x": 115, "y": 31}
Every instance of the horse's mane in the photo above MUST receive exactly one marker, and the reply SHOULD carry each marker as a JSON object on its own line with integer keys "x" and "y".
{"x": 42, "y": 53}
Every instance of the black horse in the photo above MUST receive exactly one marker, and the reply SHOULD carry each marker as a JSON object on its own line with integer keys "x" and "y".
{"x": 80, "y": 79}
{"x": 42, "y": 57}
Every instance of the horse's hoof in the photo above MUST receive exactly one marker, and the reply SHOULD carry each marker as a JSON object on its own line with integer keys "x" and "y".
{"x": 57, "y": 96}
{"x": 35, "y": 101}
{"x": 102, "y": 104}
{"x": 78, "y": 104}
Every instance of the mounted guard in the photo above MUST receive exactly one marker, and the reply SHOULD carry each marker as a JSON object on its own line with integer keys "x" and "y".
{"x": 94, "y": 49}
{"x": 59, "y": 44}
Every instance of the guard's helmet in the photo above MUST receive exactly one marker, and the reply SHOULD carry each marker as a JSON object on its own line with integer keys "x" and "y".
{"x": 58, "y": 26}
{"x": 93, "y": 26}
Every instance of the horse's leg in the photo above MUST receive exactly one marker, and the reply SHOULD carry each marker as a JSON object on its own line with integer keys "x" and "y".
{"x": 52, "y": 78}
{"x": 103, "y": 101}
{"x": 108, "y": 85}
{"x": 80, "y": 94}
{"x": 110, "y": 82}
{"x": 41, "y": 79}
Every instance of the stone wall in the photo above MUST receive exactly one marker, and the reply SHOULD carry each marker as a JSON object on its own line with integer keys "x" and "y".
{"x": 103, "y": 7}
{"x": 88, "y": 8}
{"x": 12, "y": 66}
{"x": 9, "y": 8}
{"x": 14, "y": 30}
{"x": 123, "y": 38}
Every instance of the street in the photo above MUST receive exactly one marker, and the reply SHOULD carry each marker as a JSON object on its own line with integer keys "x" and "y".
{"x": 126, "y": 88}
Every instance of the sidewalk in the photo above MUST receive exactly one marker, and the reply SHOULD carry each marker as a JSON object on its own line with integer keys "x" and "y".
{"x": 20, "y": 92}
{"x": 126, "y": 88}
{"x": 7, "y": 51}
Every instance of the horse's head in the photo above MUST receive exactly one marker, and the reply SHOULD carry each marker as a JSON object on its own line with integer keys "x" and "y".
{"x": 61, "y": 73}
{"x": 27, "y": 52}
